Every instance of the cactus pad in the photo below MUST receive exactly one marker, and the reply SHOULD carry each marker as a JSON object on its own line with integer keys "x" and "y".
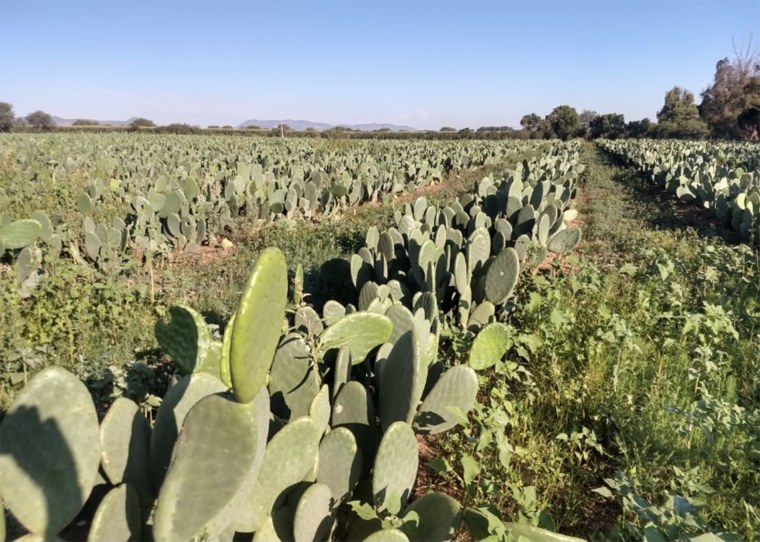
{"x": 257, "y": 326}
{"x": 501, "y": 276}
{"x": 454, "y": 393}
{"x": 489, "y": 346}
{"x": 313, "y": 518}
{"x": 118, "y": 517}
{"x": 360, "y": 332}
{"x": 49, "y": 451}
{"x": 395, "y": 468}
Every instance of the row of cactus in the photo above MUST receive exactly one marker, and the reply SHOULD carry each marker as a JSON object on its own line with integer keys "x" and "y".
{"x": 272, "y": 431}
{"x": 724, "y": 178}
{"x": 466, "y": 256}
{"x": 175, "y": 193}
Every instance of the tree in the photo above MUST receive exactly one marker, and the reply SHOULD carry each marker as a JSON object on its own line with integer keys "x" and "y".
{"x": 447, "y": 129}
{"x": 679, "y": 117}
{"x": 563, "y": 121}
{"x": 640, "y": 128}
{"x": 40, "y": 120}
{"x": 140, "y": 122}
{"x": 609, "y": 125}
{"x": 735, "y": 89}
{"x": 585, "y": 118}
{"x": 749, "y": 123}
{"x": 534, "y": 125}
{"x": 85, "y": 122}
{"x": 6, "y": 117}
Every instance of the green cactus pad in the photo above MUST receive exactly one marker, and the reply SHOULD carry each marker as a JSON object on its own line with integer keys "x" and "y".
{"x": 49, "y": 451}
{"x": 224, "y": 360}
{"x": 20, "y": 234}
{"x": 257, "y": 326}
{"x": 387, "y": 535}
{"x": 125, "y": 448}
{"x": 342, "y": 372}
{"x": 360, "y": 332}
{"x": 332, "y": 312}
{"x": 453, "y": 394}
{"x": 47, "y": 226}
{"x": 319, "y": 410}
{"x": 399, "y": 385}
{"x": 536, "y": 534}
{"x": 395, "y": 468}
{"x": 214, "y": 454}
{"x": 118, "y": 517}
{"x": 313, "y": 518}
{"x": 176, "y": 404}
{"x": 354, "y": 410}
{"x": 403, "y": 321}
{"x": 501, "y": 276}
{"x": 565, "y": 240}
{"x": 292, "y": 382}
{"x": 288, "y": 458}
{"x": 481, "y": 315}
{"x": 439, "y": 517}
{"x": 277, "y": 528}
{"x": 308, "y": 321}
{"x": 489, "y": 346}
{"x": 185, "y": 338}
{"x": 340, "y": 463}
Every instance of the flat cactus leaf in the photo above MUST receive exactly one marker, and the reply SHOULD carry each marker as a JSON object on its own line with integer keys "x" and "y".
{"x": 49, "y": 451}
{"x": 489, "y": 346}
{"x": 454, "y": 393}
{"x": 360, "y": 332}
{"x": 319, "y": 410}
{"x": 340, "y": 463}
{"x": 288, "y": 458}
{"x": 117, "y": 519}
{"x": 277, "y": 528}
{"x": 20, "y": 234}
{"x": 403, "y": 321}
{"x": 185, "y": 338}
{"x": 308, "y": 321}
{"x": 224, "y": 361}
{"x": 536, "y": 534}
{"x": 354, "y": 410}
{"x": 342, "y": 372}
{"x": 171, "y": 415}
{"x": 439, "y": 517}
{"x": 332, "y": 312}
{"x": 387, "y": 535}
{"x": 565, "y": 240}
{"x": 395, "y": 468}
{"x": 45, "y": 223}
{"x": 399, "y": 388}
{"x": 313, "y": 518}
{"x": 125, "y": 448}
{"x": 481, "y": 315}
{"x": 501, "y": 276}
{"x": 215, "y": 452}
{"x": 257, "y": 326}
{"x": 293, "y": 384}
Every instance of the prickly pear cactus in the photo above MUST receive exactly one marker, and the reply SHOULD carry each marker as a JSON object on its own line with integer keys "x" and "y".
{"x": 258, "y": 323}
{"x": 501, "y": 276}
{"x": 451, "y": 397}
{"x": 438, "y": 518}
{"x": 489, "y": 346}
{"x": 185, "y": 338}
{"x": 49, "y": 451}
{"x": 395, "y": 468}
{"x": 214, "y": 453}
{"x": 118, "y": 517}
{"x": 565, "y": 240}
{"x": 20, "y": 234}
{"x": 360, "y": 332}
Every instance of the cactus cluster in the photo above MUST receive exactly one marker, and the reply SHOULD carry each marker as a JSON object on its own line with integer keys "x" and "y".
{"x": 722, "y": 178}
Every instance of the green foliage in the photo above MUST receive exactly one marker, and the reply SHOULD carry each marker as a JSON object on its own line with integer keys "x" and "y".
{"x": 679, "y": 117}
{"x": 6, "y": 117}
{"x": 563, "y": 121}
{"x": 40, "y": 120}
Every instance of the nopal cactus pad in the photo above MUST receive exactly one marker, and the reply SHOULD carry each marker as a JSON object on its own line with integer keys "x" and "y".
{"x": 395, "y": 468}
{"x": 257, "y": 326}
{"x": 215, "y": 451}
{"x": 49, "y": 451}
{"x": 360, "y": 332}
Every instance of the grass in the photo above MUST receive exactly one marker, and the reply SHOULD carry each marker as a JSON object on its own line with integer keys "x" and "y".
{"x": 634, "y": 382}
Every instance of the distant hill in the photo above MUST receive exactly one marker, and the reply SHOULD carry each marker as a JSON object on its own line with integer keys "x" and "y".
{"x": 301, "y": 125}
{"x": 68, "y": 122}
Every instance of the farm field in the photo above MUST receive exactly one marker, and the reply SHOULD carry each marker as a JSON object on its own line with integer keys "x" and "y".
{"x": 379, "y": 340}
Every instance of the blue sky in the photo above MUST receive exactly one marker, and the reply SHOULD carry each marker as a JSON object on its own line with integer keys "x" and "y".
{"x": 422, "y": 63}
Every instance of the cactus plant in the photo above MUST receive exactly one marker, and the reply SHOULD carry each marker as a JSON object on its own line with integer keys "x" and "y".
{"x": 395, "y": 468}
{"x": 313, "y": 516}
{"x": 501, "y": 276}
{"x": 452, "y": 397}
{"x": 360, "y": 332}
{"x": 117, "y": 519}
{"x": 258, "y": 321}
{"x": 490, "y": 345}
{"x": 49, "y": 451}
{"x": 186, "y": 339}
{"x": 20, "y": 234}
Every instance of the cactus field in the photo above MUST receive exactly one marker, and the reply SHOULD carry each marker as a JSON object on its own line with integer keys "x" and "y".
{"x": 235, "y": 338}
